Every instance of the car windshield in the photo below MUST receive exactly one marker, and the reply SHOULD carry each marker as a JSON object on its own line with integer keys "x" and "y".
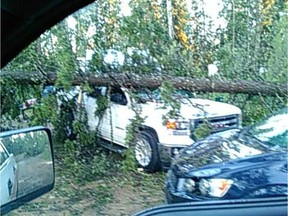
{"x": 273, "y": 130}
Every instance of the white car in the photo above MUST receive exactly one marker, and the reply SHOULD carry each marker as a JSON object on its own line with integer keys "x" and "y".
{"x": 8, "y": 176}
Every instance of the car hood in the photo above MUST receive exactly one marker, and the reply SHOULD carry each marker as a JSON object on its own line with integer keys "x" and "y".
{"x": 221, "y": 151}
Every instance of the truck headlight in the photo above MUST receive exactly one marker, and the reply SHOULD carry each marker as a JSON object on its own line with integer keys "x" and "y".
{"x": 215, "y": 187}
{"x": 177, "y": 124}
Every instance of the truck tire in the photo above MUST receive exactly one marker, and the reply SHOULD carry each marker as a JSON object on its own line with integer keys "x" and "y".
{"x": 146, "y": 151}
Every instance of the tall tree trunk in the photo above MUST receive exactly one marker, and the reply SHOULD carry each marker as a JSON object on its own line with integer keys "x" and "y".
{"x": 155, "y": 80}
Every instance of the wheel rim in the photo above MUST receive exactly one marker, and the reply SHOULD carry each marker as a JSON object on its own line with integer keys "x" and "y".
{"x": 143, "y": 152}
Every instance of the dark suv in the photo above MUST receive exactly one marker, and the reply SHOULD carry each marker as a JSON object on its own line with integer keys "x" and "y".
{"x": 246, "y": 163}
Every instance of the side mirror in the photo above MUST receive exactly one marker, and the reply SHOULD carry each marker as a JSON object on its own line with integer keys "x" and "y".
{"x": 26, "y": 166}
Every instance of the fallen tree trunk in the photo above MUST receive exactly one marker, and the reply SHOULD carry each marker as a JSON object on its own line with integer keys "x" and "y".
{"x": 155, "y": 80}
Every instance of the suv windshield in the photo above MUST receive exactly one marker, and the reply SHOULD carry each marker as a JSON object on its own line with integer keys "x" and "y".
{"x": 273, "y": 130}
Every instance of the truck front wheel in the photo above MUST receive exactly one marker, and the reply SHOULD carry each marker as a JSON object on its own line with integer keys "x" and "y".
{"x": 146, "y": 151}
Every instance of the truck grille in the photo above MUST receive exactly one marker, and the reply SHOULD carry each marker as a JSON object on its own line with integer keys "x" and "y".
{"x": 220, "y": 123}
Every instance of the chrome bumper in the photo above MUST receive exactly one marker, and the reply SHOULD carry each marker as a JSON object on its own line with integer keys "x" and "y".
{"x": 168, "y": 152}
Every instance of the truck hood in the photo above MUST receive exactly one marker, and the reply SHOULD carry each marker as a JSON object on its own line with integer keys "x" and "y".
{"x": 195, "y": 108}
{"x": 203, "y": 107}
{"x": 219, "y": 149}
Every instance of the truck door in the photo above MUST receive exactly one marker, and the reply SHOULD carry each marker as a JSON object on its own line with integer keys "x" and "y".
{"x": 121, "y": 113}
{"x": 98, "y": 116}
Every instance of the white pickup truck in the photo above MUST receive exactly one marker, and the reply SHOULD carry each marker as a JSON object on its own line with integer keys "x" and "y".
{"x": 158, "y": 141}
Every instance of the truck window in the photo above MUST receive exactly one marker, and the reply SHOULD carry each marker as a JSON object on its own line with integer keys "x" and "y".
{"x": 117, "y": 96}
{"x": 98, "y": 91}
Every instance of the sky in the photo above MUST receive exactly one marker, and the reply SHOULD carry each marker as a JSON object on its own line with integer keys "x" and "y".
{"x": 211, "y": 7}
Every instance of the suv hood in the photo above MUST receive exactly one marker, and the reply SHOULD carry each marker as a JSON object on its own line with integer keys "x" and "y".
{"x": 219, "y": 149}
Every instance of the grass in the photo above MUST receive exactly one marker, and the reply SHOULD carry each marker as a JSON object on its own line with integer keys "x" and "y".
{"x": 97, "y": 186}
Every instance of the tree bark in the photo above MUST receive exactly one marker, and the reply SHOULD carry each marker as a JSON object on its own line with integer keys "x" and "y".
{"x": 155, "y": 80}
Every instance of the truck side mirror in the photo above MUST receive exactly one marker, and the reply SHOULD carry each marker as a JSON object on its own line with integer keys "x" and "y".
{"x": 27, "y": 166}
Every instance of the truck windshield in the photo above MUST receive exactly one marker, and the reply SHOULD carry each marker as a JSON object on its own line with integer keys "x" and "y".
{"x": 155, "y": 94}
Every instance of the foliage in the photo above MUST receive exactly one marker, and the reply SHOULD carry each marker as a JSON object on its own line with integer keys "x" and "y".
{"x": 252, "y": 46}
{"x": 102, "y": 105}
{"x": 27, "y": 144}
{"x": 11, "y": 105}
{"x": 247, "y": 46}
{"x": 277, "y": 64}
{"x": 169, "y": 101}
{"x": 88, "y": 165}
{"x": 74, "y": 195}
{"x": 202, "y": 131}
{"x": 132, "y": 130}
{"x": 129, "y": 163}
{"x": 45, "y": 111}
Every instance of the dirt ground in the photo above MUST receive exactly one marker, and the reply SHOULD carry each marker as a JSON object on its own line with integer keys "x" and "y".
{"x": 116, "y": 197}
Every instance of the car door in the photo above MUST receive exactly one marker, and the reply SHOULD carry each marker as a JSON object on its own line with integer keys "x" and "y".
{"x": 121, "y": 114}
{"x": 97, "y": 112}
